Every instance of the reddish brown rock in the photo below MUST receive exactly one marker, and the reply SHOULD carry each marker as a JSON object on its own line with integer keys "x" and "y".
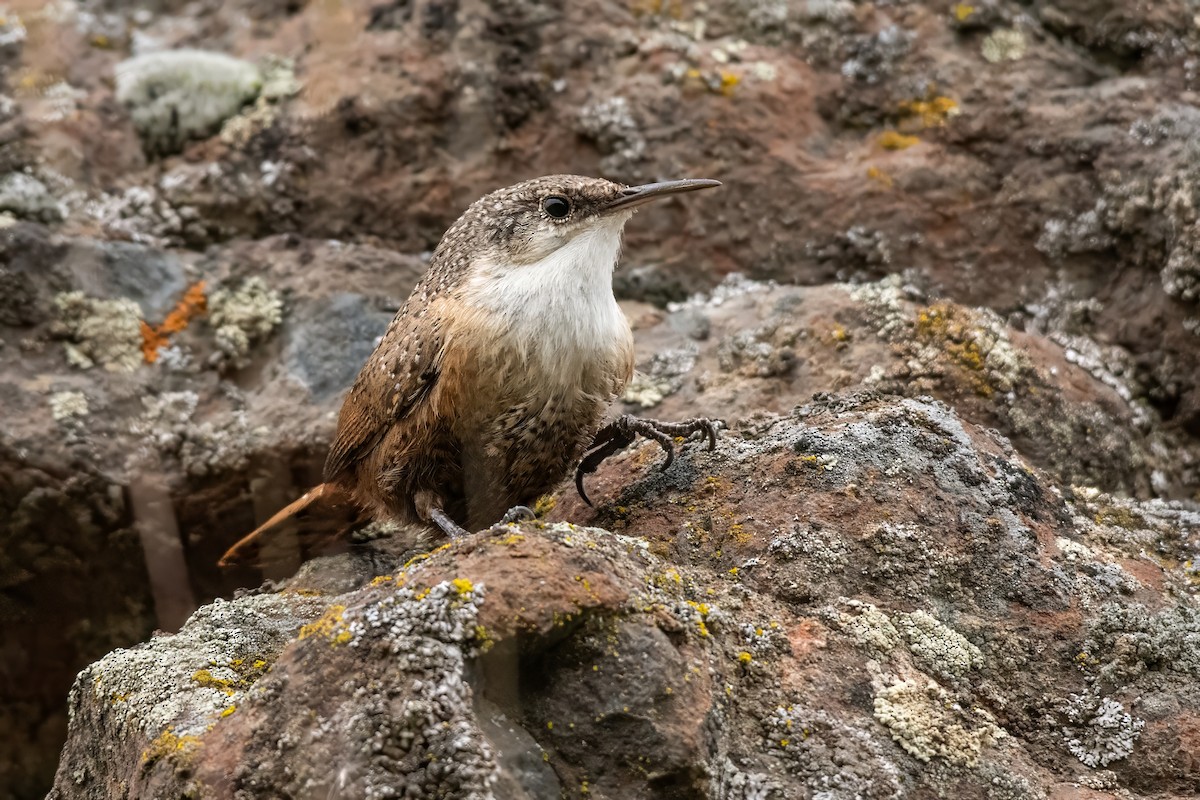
{"x": 866, "y": 597}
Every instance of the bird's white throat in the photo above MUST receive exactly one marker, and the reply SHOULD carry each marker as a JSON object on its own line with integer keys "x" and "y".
{"x": 560, "y": 308}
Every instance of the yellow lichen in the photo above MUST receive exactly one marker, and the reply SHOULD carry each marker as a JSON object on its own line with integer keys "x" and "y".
{"x": 205, "y": 678}
{"x": 379, "y": 580}
{"x": 958, "y": 336}
{"x": 879, "y": 176}
{"x": 484, "y": 638}
{"x": 1121, "y": 518}
{"x": 962, "y": 11}
{"x": 168, "y": 744}
{"x": 330, "y": 625}
{"x": 894, "y": 140}
{"x": 745, "y": 657}
{"x": 702, "y": 609}
{"x": 229, "y": 711}
{"x": 462, "y": 586}
{"x": 932, "y": 112}
{"x": 544, "y": 505}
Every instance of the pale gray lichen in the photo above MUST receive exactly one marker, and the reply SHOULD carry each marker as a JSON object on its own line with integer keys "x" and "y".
{"x": 12, "y": 30}
{"x": 730, "y": 782}
{"x": 645, "y": 391}
{"x": 28, "y": 198}
{"x": 202, "y": 448}
{"x": 278, "y": 83}
{"x": 177, "y": 95}
{"x": 611, "y": 125}
{"x": 1129, "y": 641}
{"x": 105, "y": 332}
{"x": 1100, "y": 731}
{"x": 937, "y": 647}
{"x": 823, "y": 551}
{"x": 875, "y": 56}
{"x": 155, "y": 686}
{"x": 761, "y": 352}
{"x": 1181, "y": 275}
{"x": 929, "y": 723}
{"x": 883, "y": 300}
{"x": 1005, "y": 44}
{"x": 430, "y": 635}
{"x": 68, "y": 406}
{"x": 835, "y": 759}
{"x": 140, "y": 214}
{"x": 244, "y": 316}
{"x": 866, "y": 624}
{"x": 662, "y": 376}
{"x": 734, "y": 286}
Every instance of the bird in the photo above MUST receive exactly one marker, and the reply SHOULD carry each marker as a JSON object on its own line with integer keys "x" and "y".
{"x": 496, "y": 376}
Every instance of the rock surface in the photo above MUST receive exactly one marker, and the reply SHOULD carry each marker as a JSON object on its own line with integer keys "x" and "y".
{"x": 991, "y": 203}
{"x": 867, "y": 597}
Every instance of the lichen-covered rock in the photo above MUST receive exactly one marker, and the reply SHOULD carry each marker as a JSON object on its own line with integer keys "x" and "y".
{"x": 1005, "y": 191}
{"x": 681, "y": 653}
{"x": 177, "y": 95}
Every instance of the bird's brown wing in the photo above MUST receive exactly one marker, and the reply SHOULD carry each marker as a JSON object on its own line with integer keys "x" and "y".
{"x": 395, "y": 381}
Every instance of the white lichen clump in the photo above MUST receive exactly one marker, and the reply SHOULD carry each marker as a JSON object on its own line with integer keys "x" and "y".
{"x": 68, "y": 406}
{"x": 1102, "y": 731}
{"x": 104, "y": 332}
{"x": 177, "y": 95}
{"x": 244, "y": 316}
{"x": 946, "y": 651}
{"x": 611, "y": 125}
{"x": 869, "y": 627}
{"x": 202, "y": 448}
{"x": 1005, "y": 44}
{"x": 27, "y": 197}
{"x": 925, "y": 720}
{"x": 663, "y": 376}
{"x": 735, "y": 285}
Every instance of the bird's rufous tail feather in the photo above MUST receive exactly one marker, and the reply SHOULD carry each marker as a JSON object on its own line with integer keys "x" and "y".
{"x": 302, "y": 528}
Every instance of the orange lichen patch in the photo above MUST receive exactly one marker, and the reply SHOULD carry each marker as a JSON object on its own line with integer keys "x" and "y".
{"x": 879, "y": 176}
{"x": 192, "y": 304}
{"x": 894, "y": 140}
{"x": 729, "y": 82}
{"x": 931, "y": 112}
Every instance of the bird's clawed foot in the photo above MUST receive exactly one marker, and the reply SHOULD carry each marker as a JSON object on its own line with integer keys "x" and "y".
{"x": 517, "y": 514}
{"x": 621, "y": 432}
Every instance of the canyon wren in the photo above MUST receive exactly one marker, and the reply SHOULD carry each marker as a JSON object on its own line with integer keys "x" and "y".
{"x": 493, "y": 379}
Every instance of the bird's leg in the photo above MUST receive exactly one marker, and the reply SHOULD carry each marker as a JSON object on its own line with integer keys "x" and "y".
{"x": 621, "y": 432}
{"x": 447, "y": 525}
{"x": 429, "y": 508}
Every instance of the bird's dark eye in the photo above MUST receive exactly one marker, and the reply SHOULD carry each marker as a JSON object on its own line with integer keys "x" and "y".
{"x": 557, "y": 206}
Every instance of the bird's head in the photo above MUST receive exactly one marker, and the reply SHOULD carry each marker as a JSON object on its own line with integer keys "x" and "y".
{"x": 529, "y": 223}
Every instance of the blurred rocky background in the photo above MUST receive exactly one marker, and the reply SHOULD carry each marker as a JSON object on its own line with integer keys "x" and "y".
{"x": 967, "y": 567}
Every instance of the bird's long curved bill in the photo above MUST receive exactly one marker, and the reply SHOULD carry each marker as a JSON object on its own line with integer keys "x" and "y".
{"x": 636, "y": 195}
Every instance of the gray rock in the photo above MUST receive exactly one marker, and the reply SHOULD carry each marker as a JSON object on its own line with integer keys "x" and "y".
{"x": 326, "y": 349}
